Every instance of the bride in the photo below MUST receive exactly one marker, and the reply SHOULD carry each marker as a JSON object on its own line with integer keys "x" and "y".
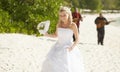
{"x": 64, "y": 55}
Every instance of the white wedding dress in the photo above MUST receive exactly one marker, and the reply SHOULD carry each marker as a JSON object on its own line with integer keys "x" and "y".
{"x": 59, "y": 59}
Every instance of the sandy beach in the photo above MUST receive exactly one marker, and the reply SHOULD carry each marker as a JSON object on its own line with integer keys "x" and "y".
{"x": 25, "y": 53}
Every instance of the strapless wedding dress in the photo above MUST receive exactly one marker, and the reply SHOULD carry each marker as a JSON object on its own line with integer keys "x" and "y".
{"x": 59, "y": 59}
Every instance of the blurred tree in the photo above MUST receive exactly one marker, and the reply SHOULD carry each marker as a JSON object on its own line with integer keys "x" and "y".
{"x": 24, "y": 15}
{"x": 97, "y": 5}
{"x": 118, "y": 5}
{"x": 93, "y": 4}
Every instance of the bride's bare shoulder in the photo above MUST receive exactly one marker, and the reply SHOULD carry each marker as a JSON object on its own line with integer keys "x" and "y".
{"x": 73, "y": 25}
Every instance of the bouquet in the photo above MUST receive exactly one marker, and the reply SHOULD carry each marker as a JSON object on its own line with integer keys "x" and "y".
{"x": 43, "y": 27}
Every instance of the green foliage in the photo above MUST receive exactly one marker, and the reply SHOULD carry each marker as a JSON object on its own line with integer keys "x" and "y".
{"x": 92, "y": 4}
{"x": 118, "y": 4}
{"x": 96, "y": 5}
{"x": 23, "y": 16}
{"x": 110, "y": 4}
{"x": 99, "y": 6}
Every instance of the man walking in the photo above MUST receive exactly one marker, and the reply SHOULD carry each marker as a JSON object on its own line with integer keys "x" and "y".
{"x": 100, "y": 23}
{"x": 76, "y": 18}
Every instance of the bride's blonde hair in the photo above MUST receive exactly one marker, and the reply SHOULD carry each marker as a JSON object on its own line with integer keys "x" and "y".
{"x": 68, "y": 11}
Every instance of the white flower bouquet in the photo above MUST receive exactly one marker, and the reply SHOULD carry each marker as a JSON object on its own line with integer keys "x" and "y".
{"x": 43, "y": 27}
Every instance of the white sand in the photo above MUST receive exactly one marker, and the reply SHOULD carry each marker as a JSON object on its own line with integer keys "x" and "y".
{"x": 23, "y": 53}
{"x": 100, "y": 58}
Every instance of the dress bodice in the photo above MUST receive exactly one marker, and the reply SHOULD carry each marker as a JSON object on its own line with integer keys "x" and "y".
{"x": 59, "y": 59}
{"x": 65, "y": 35}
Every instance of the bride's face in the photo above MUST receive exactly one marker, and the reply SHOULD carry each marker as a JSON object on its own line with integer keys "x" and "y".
{"x": 63, "y": 16}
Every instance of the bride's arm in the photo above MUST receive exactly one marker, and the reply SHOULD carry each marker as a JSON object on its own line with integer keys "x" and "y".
{"x": 54, "y": 35}
{"x": 51, "y": 35}
{"x": 75, "y": 31}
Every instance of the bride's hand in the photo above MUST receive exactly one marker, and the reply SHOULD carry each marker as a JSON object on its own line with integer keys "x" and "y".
{"x": 70, "y": 49}
{"x": 46, "y": 34}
